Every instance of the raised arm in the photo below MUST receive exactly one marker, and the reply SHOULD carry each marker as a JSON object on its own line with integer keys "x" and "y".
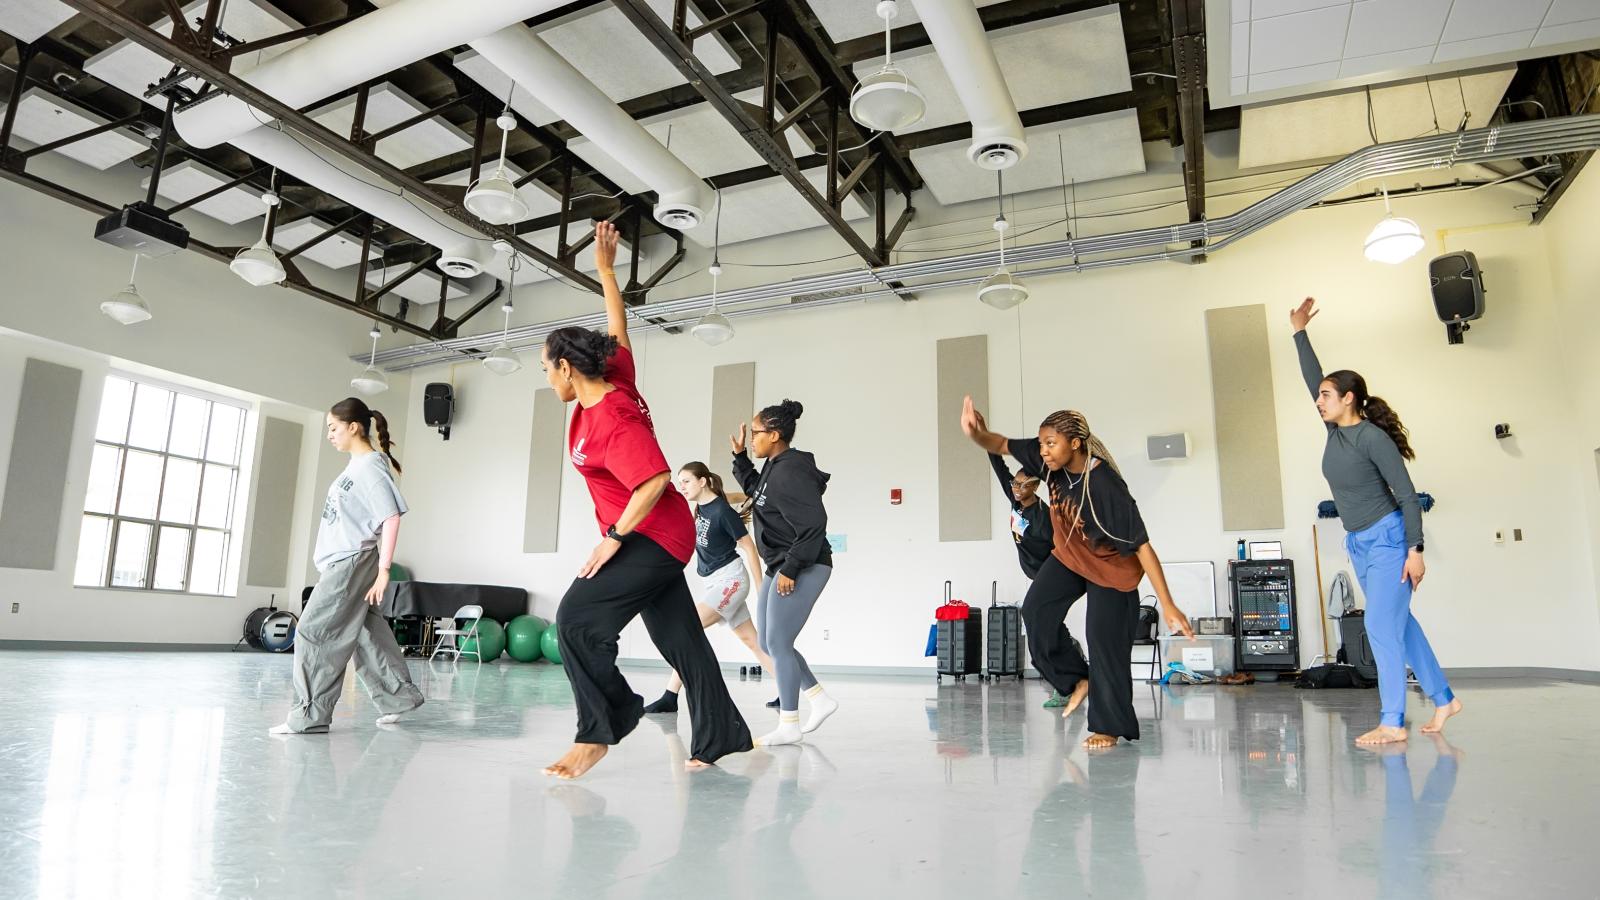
{"x": 973, "y": 425}
{"x": 743, "y": 468}
{"x": 1004, "y": 474}
{"x": 605, "y": 257}
{"x": 1310, "y": 368}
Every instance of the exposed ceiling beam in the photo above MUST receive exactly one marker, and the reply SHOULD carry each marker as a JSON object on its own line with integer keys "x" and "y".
{"x": 994, "y": 17}
{"x": 1044, "y": 115}
{"x": 1189, "y": 60}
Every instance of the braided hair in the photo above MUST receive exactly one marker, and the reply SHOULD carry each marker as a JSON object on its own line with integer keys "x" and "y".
{"x": 782, "y": 418}
{"x": 355, "y": 410}
{"x": 1071, "y": 424}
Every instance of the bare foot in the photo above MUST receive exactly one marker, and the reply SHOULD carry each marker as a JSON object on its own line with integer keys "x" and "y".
{"x": 1099, "y": 741}
{"x": 1383, "y": 734}
{"x": 1080, "y": 691}
{"x": 580, "y": 759}
{"x": 1440, "y": 715}
{"x": 695, "y": 765}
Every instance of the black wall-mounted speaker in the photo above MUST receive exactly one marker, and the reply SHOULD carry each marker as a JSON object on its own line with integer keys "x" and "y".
{"x": 1457, "y": 284}
{"x": 439, "y": 406}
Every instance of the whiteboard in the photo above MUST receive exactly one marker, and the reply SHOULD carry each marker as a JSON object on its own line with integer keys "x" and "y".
{"x": 1193, "y": 586}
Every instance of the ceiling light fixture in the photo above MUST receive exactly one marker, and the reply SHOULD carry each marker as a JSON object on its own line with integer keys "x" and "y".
{"x": 1002, "y": 290}
{"x": 371, "y": 381}
{"x": 886, "y": 100}
{"x": 714, "y": 327}
{"x": 494, "y": 198}
{"x": 1394, "y": 239}
{"x": 126, "y": 306}
{"x": 501, "y": 360}
{"x": 258, "y": 264}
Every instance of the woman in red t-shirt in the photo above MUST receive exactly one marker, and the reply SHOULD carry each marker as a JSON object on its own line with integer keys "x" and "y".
{"x": 648, "y": 537}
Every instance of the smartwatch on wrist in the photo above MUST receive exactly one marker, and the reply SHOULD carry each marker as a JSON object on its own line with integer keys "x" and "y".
{"x": 619, "y": 538}
{"x": 1418, "y": 547}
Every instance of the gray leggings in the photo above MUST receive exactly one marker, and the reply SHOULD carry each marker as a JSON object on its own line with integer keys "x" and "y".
{"x": 781, "y": 619}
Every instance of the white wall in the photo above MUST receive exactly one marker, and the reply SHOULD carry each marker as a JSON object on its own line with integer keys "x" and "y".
{"x": 1574, "y": 274}
{"x": 283, "y": 351}
{"x": 1128, "y": 348}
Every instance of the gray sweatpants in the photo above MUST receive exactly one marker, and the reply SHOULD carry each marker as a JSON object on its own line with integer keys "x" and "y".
{"x": 337, "y": 623}
{"x": 781, "y": 620}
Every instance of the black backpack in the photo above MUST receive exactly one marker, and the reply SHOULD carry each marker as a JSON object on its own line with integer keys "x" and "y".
{"x": 1333, "y": 675}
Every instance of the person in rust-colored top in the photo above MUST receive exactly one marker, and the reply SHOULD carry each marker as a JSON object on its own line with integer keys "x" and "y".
{"x": 1100, "y": 549}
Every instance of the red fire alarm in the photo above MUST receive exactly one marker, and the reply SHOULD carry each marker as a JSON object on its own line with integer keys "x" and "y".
{"x": 895, "y": 497}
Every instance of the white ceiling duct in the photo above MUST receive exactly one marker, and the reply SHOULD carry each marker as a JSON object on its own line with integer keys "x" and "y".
{"x": 465, "y": 253}
{"x": 379, "y": 42}
{"x": 958, "y": 35}
{"x": 535, "y": 67}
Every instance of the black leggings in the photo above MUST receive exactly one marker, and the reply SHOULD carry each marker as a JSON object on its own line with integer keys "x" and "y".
{"x": 643, "y": 580}
{"x": 1111, "y": 620}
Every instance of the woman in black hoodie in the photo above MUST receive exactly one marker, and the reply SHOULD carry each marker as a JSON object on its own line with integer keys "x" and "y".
{"x": 792, "y": 535}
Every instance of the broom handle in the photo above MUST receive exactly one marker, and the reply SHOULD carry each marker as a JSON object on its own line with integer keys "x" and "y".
{"x": 1322, "y": 602}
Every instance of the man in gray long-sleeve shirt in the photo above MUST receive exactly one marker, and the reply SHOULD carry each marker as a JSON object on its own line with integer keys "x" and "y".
{"x": 1365, "y": 464}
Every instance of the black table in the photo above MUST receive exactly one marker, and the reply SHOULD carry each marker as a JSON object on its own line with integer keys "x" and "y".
{"x": 435, "y": 600}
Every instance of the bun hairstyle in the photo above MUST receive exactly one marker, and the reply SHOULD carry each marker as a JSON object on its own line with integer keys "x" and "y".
{"x": 355, "y": 410}
{"x": 1373, "y": 409}
{"x": 712, "y": 479}
{"x": 782, "y": 418}
{"x": 586, "y": 351}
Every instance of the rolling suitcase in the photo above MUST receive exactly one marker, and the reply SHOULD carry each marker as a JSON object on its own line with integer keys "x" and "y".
{"x": 958, "y": 642}
{"x": 1005, "y": 637}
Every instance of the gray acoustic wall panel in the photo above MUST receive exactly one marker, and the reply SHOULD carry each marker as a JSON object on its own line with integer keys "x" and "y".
{"x": 547, "y": 454}
{"x": 733, "y": 402}
{"x": 277, "y": 477}
{"x": 962, "y": 366}
{"x": 36, "y": 476}
{"x": 1247, "y": 419}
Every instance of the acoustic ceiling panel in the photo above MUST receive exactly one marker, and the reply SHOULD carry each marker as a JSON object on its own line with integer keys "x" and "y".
{"x": 133, "y": 69}
{"x": 43, "y": 118}
{"x": 846, "y": 19}
{"x": 388, "y": 106}
{"x": 421, "y": 288}
{"x": 29, "y": 20}
{"x": 1094, "y": 147}
{"x": 190, "y": 179}
{"x": 337, "y": 252}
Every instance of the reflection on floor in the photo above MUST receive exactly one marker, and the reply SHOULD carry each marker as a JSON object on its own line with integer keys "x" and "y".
{"x": 151, "y": 775}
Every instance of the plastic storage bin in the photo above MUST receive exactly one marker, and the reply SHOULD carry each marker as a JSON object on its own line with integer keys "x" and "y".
{"x": 1205, "y": 653}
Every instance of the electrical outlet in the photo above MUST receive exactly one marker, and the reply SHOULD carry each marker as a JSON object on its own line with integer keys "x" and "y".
{"x": 824, "y": 634}
{"x": 16, "y": 607}
{"x": 1499, "y": 536}
{"x": 1516, "y": 534}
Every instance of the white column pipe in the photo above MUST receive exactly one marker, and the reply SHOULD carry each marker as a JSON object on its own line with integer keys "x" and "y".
{"x": 963, "y": 46}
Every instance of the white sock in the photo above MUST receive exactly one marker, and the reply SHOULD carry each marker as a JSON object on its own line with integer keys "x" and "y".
{"x": 822, "y": 706}
{"x": 788, "y": 731}
{"x": 390, "y": 718}
{"x": 281, "y": 729}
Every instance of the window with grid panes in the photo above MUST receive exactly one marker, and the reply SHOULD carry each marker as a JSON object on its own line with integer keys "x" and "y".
{"x": 159, "y": 514}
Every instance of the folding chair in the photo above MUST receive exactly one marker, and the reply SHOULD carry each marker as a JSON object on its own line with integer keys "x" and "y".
{"x": 1144, "y": 635}
{"x": 457, "y": 634}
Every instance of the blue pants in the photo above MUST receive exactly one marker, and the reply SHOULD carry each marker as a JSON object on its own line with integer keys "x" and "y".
{"x": 1379, "y": 556}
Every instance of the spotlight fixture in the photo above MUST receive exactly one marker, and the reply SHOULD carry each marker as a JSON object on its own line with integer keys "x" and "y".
{"x": 258, "y": 264}
{"x": 886, "y": 100}
{"x": 371, "y": 381}
{"x": 126, "y": 306}
{"x": 1002, "y": 290}
{"x": 714, "y": 327}
{"x": 1394, "y": 239}
{"x": 501, "y": 360}
{"x": 494, "y": 198}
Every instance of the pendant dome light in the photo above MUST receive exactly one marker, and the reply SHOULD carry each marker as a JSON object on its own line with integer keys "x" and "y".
{"x": 886, "y": 100}
{"x": 1002, "y": 290}
{"x": 257, "y": 264}
{"x": 126, "y": 306}
{"x": 494, "y": 198}
{"x": 1394, "y": 239}
{"x": 371, "y": 381}
{"x": 501, "y": 360}
{"x": 714, "y": 327}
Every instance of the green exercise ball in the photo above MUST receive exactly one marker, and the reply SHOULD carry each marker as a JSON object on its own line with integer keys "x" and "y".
{"x": 492, "y": 637}
{"x": 523, "y": 635}
{"x": 398, "y": 572}
{"x": 551, "y": 645}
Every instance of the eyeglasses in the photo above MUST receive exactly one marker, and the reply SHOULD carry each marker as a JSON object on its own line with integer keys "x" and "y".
{"x": 756, "y": 431}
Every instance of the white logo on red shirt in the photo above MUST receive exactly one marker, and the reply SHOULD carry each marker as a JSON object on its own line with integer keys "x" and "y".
{"x": 578, "y": 456}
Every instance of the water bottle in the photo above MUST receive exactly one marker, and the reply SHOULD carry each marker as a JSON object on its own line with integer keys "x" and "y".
{"x": 1240, "y": 550}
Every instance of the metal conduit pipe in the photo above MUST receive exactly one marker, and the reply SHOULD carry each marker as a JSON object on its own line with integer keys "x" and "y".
{"x": 1545, "y": 136}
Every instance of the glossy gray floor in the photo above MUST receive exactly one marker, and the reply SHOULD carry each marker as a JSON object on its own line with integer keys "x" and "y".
{"x": 152, "y": 775}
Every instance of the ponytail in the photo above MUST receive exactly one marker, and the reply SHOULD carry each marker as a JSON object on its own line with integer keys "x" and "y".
{"x": 1373, "y": 409}
{"x": 354, "y": 410}
{"x": 1381, "y": 414}
{"x": 713, "y": 480}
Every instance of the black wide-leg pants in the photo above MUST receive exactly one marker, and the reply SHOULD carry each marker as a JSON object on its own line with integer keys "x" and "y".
{"x": 1113, "y": 614}
{"x": 644, "y": 580}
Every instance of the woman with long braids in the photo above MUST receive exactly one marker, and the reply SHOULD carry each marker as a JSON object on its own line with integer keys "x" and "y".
{"x": 792, "y": 534}
{"x": 719, "y": 540}
{"x": 1365, "y": 464}
{"x": 355, "y": 545}
{"x": 1100, "y": 549}
{"x": 647, "y": 538}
